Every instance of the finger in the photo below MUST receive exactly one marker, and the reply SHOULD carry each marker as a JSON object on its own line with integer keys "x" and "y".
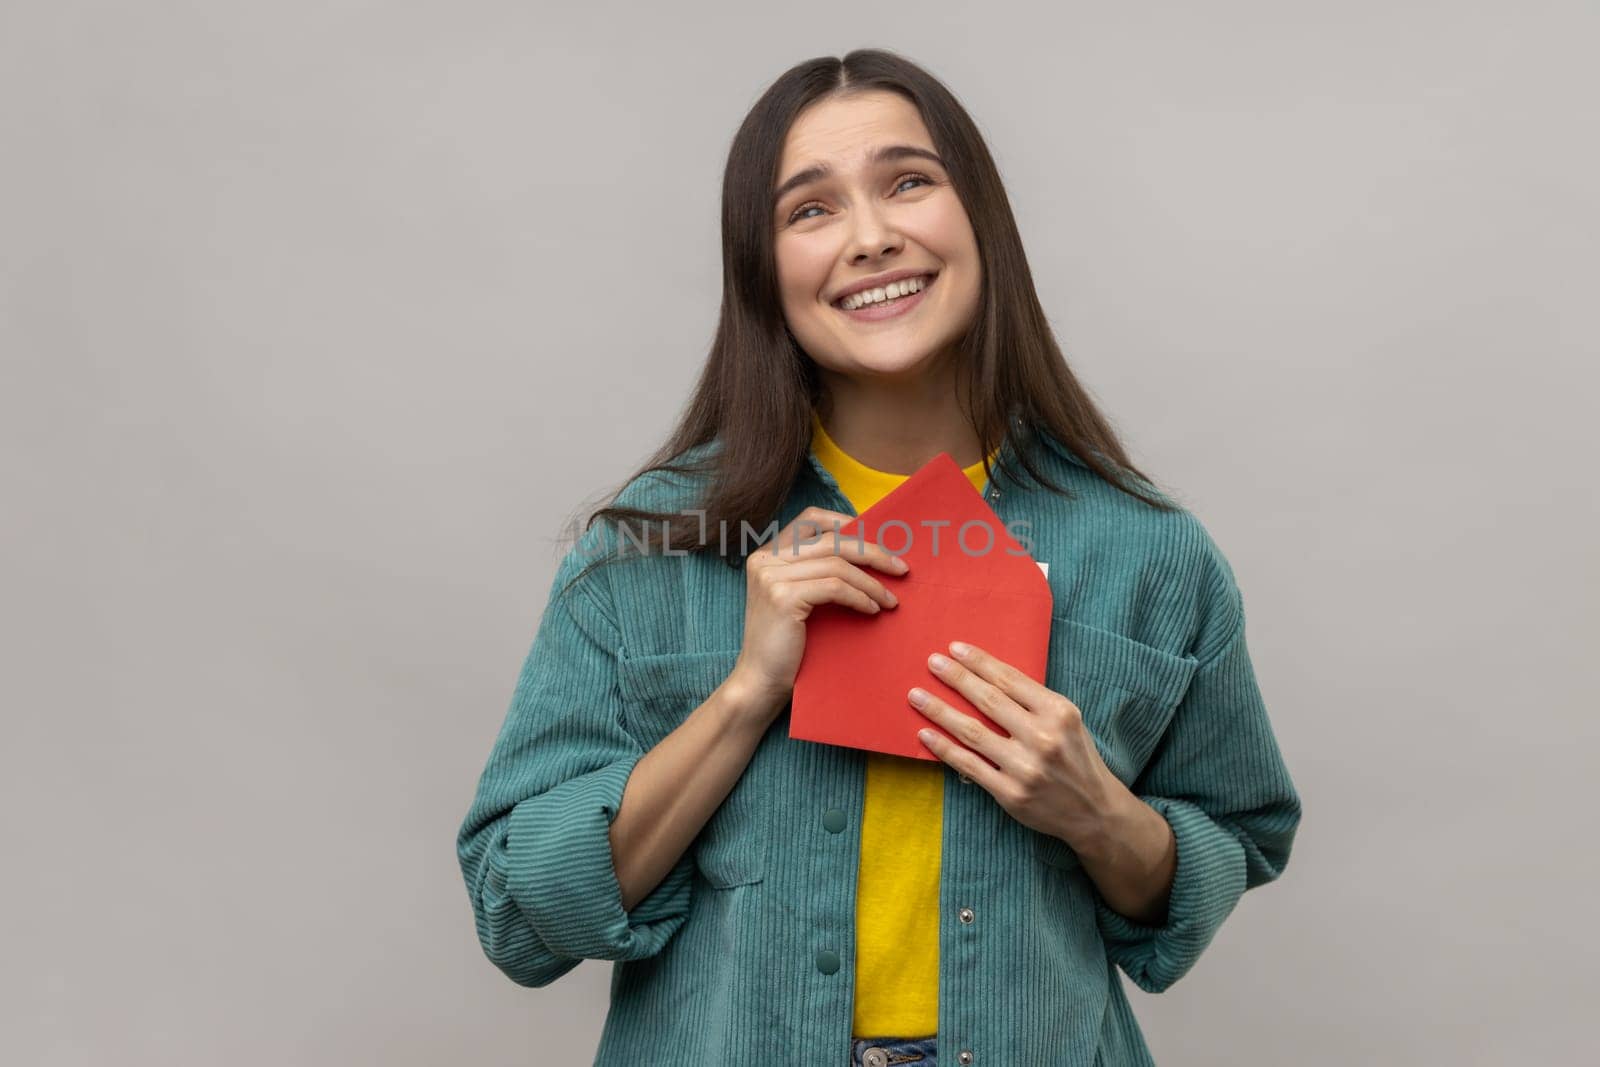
{"x": 966, "y": 729}
{"x": 833, "y": 566}
{"x": 809, "y": 535}
{"x": 856, "y": 552}
{"x": 823, "y": 536}
{"x": 835, "y": 590}
{"x": 811, "y": 525}
{"x": 984, "y": 695}
{"x": 962, "y": 759}
{"x": 1026, "y": 692}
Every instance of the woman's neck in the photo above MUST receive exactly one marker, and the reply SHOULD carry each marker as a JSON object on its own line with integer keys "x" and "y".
{"x": 897, "y": 428}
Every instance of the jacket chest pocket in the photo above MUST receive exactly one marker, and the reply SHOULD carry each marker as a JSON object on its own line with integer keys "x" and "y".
{"x": 1127, "y": 691}
{"x": 659, "y": 691}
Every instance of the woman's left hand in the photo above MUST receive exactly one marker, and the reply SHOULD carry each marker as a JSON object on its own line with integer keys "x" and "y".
{"x": 1048, "y": 774}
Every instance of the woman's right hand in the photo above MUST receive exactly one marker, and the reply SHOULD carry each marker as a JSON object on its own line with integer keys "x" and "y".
{"x": 782, "y": 588}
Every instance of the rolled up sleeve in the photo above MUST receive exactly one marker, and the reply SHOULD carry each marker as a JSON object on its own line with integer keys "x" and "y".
{"x": 535, "y": 846}
{"x": 1220, "y": 781}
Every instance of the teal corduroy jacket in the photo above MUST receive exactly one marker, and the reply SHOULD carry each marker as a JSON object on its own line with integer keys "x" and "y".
{"x": 744, "y": 952}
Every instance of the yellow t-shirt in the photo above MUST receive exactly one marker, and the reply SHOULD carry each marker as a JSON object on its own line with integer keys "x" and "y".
{"x": 897, "y": 882}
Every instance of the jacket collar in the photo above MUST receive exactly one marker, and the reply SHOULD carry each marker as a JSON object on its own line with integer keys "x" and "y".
{"x": 1061, "y": 449}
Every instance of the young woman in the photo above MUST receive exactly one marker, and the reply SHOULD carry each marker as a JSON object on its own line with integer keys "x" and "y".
{"x": 775, "y": 900}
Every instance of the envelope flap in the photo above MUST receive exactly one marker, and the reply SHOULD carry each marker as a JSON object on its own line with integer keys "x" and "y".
{"x": 947, "y": 532}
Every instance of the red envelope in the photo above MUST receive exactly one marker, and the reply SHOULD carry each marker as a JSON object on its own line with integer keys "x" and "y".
{"x": 857, "y": 668}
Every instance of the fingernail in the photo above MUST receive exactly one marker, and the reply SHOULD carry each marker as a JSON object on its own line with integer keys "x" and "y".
{"x": 938, "y": 662}
{"x": 960, "y": 648}
{"x": 918, "y": 697}
{"x": 893, "y": 600}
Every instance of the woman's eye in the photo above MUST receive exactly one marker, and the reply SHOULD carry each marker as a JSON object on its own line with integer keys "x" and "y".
{"x": 799, "y": 212}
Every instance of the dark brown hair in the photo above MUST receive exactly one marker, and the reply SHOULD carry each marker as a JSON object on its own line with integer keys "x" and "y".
{"x": 758, "y": 388}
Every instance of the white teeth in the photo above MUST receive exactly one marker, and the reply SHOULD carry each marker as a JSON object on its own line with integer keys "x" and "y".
{"x": 883, "y": 294}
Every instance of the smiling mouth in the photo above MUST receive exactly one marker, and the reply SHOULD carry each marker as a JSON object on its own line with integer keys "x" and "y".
{"x": 888, "y": 309}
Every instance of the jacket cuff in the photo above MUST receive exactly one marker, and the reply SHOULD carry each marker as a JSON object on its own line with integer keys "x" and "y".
{"x": 1208, "y": 882}
{"x": 561, "y": 873}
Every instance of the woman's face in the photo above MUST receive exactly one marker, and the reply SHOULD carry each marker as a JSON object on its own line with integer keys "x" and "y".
{"x": 864, "y": 217}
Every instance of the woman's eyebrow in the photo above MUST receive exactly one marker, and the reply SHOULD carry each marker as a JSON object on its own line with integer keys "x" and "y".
{"x": 886, "y": 154}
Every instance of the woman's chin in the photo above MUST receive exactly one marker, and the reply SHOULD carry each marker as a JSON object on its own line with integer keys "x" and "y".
{"x": 895, "y": 363}
{"x": 886, "y": 367}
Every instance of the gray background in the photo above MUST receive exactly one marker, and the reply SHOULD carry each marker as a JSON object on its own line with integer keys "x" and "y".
{"x": 305, "y": 304}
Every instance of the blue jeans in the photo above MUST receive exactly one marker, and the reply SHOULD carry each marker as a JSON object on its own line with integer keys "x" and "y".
{"x": 887, "y": 1051}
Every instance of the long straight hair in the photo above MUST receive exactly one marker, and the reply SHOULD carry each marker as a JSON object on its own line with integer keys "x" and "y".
{"x": 758, "y": 388}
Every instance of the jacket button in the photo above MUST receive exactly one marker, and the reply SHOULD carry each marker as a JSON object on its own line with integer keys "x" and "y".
{"x": 967, "y": 915}
{"x": 875, "y": 1057}
{"x": 964, "y": 1056}
{"x": 827, "y": 961}
{"x": 833, "y": 820}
